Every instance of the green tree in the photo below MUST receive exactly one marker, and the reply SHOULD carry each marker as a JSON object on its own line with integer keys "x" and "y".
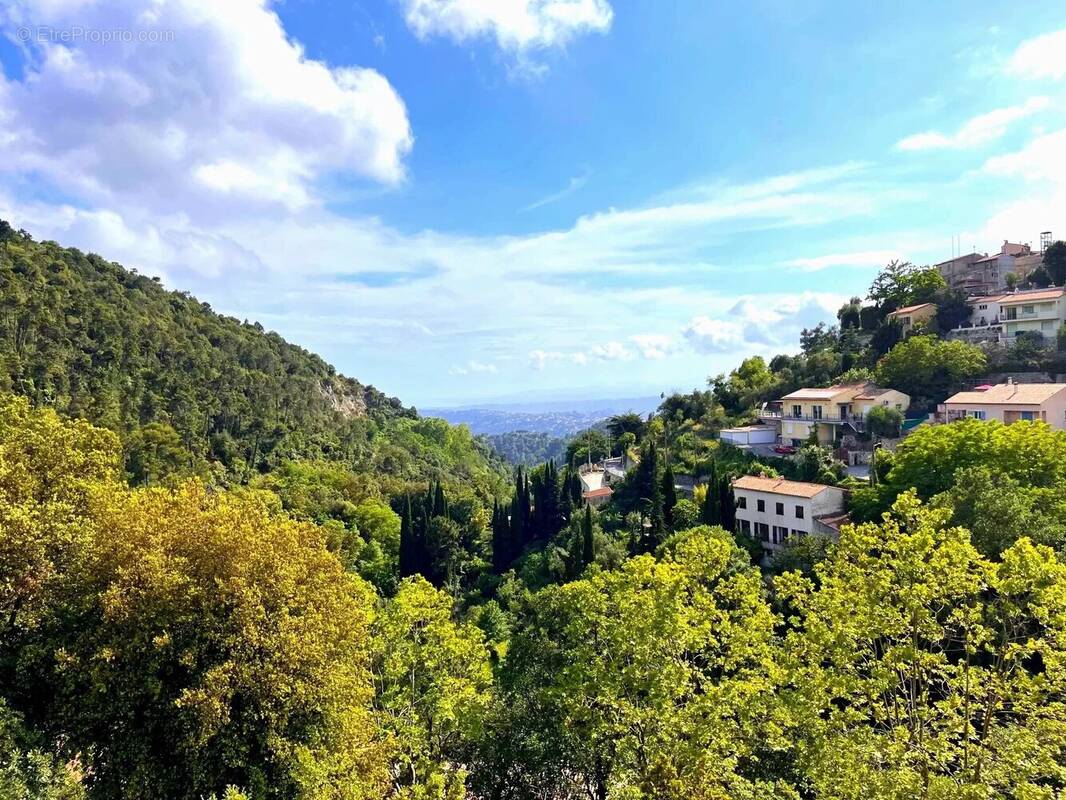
{"x": 646, "y": 681}
{"x": 885, "y": 421}
{"x": 920, "y": 669}
{"x": 1055, "y": 262}
{"x": 927, "y": 368}
{"x": 901, "y": 284}
{"x": 434, "y": 686}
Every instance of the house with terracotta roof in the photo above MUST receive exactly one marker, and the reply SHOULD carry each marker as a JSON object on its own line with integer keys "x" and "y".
{"x": 909, "y": 317}
{"x": 1009, "y": 402}
{"x": 830, "y": 412}
{"x": 773, "y": 510}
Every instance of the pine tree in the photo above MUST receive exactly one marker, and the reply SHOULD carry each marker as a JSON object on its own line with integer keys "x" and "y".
{"x": 651, "y": 493}
{"x": 669, "y": 493}
{"x": 501, "y": 539}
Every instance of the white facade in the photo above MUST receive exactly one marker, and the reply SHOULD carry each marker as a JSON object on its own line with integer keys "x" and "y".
{"x": 751, "y": 434}
{"x": 772, "y": 510}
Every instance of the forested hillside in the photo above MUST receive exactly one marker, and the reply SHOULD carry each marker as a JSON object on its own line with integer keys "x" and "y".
{"x": 191, "y": 391}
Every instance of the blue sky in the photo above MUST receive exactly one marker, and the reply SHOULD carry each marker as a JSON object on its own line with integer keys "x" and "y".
{"x": 460, "y": 199}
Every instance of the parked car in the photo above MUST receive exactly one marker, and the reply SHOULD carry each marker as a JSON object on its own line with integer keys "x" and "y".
{"x": 785, "y": 449}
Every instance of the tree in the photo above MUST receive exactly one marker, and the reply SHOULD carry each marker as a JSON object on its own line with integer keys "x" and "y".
{"x": 923, "y": 670}
{"x": 204, "y": 641}
{"x": 630, "y": 422}
{"x": 609, "y": 700}
{"x": 820, "y": 337}
{"x": 901, "y": 284}
{"x": 886, "y": 336}
{"x": 434, "y": 689}
{"x": 589, "y": 445}
{"x": 1055, "y": 262}
{"x": 155, "y": 452}
{"x": 850, "y": 314}
{"x": 588, "y": 549}
{"x": 669, "y": 495}
{"x": 952, "y": 310}
{"x": 1031, "y": 453}
{"x": 1039, "y": 278}
{"x": 885, "y": 421}
{"x": 928, "y": 368}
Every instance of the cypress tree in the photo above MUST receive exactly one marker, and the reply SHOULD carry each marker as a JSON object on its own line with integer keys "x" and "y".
{"x": 588, "y": 554}
{"x": 408, "y": 546}
{"x": 669, "y": 497}
{"x": 709, "y": 510}
{"x": 727, "y": 504}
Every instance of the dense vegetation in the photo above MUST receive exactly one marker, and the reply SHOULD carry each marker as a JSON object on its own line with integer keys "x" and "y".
{"x": 181, "y": 642}
{"x": 195, "y": 393}
{"x": 527, "y": 448}
{"x": 394, "y": 620}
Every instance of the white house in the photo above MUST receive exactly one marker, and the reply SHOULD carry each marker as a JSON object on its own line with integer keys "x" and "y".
{"x": 749, "y": 434}
{"x": 771, "y": 510}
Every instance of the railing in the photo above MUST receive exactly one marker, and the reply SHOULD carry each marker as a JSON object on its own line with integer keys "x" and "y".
{"x": 856, "y": 421}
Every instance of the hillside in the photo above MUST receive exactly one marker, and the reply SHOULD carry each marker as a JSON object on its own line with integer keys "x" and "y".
{"x": 95, "y": 340}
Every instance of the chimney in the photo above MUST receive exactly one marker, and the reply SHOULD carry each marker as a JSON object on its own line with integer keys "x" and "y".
{"x": 1010, "y": 381}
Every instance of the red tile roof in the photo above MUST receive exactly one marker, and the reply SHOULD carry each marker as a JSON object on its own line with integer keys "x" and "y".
{"x": 603, "y": 491}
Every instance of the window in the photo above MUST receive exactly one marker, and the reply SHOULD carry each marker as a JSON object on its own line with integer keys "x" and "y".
{"x": 982, "y": 307}
{"x": 976, "y": 414}
{"x": 816, "y": 412}
{"x": 760, "y": 505}
{"x": 742, "y": 502}
{"x": 1028, "y": 311}
{"x": 1029, "y": 416}
{"x": 745, "y": 526}
{"x": 780, "y": 509}
{"x": 779, "y": 535}
{"x": 762, "y": 531}
{"x": 797, "y": 532}
{"x": 799, "y": 512}
{"x": 797, "y": 411}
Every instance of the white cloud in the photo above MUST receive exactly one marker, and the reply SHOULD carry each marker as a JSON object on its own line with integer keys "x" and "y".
{"x": 708, "y": 335}
{"x": 978, "y": 130}
{"x": 762, "y": 324}
{"x": 575, "y": 183}
{"x": 538, "y": 359}
{"x": 229, "y": 111}
{"x": 653, "y": 346}
{"x": 611, "y": 351}
{"x": 1039, "y": 169}
{"x": 516, "y": 25}
{"x": 863, "y": 259}
{"x": 1041, "y": 57}
{"x": 473, "y": 367}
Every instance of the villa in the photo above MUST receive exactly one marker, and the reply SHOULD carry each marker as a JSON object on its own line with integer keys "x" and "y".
{"x": 831, "y": 412}
{"x": 909, "y": 317}
{"x": 773, "y": 510}
{"x": 1009, "y": 402}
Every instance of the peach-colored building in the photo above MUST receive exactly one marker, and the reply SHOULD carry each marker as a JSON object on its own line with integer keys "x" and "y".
{"x": 830, "y": 412}
{"x": 910, "y": 316}
{"x": 1010, "y": 402}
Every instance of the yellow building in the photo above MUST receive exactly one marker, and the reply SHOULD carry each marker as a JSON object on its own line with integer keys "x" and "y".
{"x": 910, "y": 317}
{"x": 831, "y": 412}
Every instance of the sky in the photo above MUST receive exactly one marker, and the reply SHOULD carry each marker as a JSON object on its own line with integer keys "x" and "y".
{"x": 469, "y": 200}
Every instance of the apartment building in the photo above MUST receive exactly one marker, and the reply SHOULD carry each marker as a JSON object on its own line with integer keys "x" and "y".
{"x": 772, "y": 510}
{"x": 831, "y": 412}
{"x": 1009, "y": 402}
{"x": 984, "y": 274}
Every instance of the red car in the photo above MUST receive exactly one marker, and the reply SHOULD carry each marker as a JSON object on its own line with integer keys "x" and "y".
{"x": 785, "y": 449}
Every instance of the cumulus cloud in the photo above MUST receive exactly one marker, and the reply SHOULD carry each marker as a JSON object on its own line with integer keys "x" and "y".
{"x": 226, "y": 110}
{"x": 538, "y": 359}
{"x": 761, "y": 324}
{"x": 1041, "y": 57}
{"x": 611, "y": 351}
{"x": 515, "y": 25}
{"x": 979, "y": 130}
{"x": 653, "y": 346}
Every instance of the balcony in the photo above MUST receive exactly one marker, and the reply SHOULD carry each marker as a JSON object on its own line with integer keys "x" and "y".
{"x": 856, "y": 421}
